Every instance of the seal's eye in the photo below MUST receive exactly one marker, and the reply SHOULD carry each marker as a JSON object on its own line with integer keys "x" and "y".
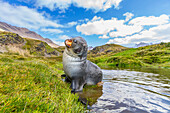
{"x": 75, "y": 41}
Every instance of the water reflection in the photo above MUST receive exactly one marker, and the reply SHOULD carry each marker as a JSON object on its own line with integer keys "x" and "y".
{"x": 90, "y": 95}
{"x": 130, "y": 92}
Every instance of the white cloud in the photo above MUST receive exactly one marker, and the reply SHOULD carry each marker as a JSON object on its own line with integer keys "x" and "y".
{"x": 114, "y": 27}
{"x": 84, "y": 20}
{"x": 95, "y": 18}
{"x": 56, "y": 31}
{"x": 128, "y": 16}
{"x": 109, "y": 3}
{"x": 53, "y": 4}
{"x": 71, "y": 24}
{"x": 104, "y": 36}
{"x": 153, "y": 35}
{"x": 118, "y": 41}
{"x": 60, "y": 39}
{"x": 99, "y": 27}
{"x": 124, "y": 30}
{"x": 63, "y": 37}
{"x": 151, "y": 20}
{"x": 24, "y": 17}
{"x": 129, "y": 33}
{"x": 96, "y": 5}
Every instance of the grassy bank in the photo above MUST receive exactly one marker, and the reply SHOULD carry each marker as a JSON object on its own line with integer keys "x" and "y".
{"x": 149, "y": 56}
{"x": 34, "y": 85}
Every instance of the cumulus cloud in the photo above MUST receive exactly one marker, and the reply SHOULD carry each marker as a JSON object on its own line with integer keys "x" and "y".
{"x": 114, "y": 27}
{"x": 151, "y": 20}
{"x": 156, "y": 34}
{"x": 99, "y": 27}
{"x": 124, "y": 30}
{"x": 128, "y": 16}
{"x": 134, "y": 31}
{"x": 24, "y": 17}
{"x": 56, "y": 31}
{"x": 96, "y": 5}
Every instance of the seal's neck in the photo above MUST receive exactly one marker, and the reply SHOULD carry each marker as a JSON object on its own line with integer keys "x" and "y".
{"x": 73, "y": 58}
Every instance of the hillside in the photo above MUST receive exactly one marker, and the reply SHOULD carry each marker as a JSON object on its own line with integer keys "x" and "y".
{"x": 105, "y": 49}
{"x": 24, "y": 32}
{"x": 13, "y": 43}
{"x": 157, "y": 55}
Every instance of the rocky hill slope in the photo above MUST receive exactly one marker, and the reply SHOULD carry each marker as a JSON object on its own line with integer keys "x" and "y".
{"x": 26, "y": 33}
{"x": 14, "y": 43}
{"x": 106, "y": 49}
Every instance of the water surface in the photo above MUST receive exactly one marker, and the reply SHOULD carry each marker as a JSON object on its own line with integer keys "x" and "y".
{"x": 131, "y": 91}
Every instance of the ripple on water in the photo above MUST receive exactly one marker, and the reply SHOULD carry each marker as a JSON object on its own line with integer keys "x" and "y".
{"x": 131, "y": 92}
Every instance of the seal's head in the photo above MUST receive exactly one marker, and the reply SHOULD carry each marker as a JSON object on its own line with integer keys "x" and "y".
{"x": 76, "y": 47}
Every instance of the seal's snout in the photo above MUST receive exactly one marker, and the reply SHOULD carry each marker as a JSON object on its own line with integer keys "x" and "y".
{"x": 68, "y": 42}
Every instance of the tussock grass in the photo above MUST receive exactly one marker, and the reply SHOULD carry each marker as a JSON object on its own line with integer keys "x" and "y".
{"x": 18, "y": 51}
{"x": 34, "y": 85}
{"x": 153, "y": 56}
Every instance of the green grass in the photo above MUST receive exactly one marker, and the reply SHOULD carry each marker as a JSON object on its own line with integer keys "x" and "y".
{"x": 34, "y": 85}
{"x": 128, "y": 52}
{"x": 149, "y": 56}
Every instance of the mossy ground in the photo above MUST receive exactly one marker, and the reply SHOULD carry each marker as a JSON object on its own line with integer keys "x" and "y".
{"x": 10, "y": 38}
{"x": 34, "y": 85}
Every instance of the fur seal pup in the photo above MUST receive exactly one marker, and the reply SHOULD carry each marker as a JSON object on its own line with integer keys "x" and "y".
{"x": 77, "y": 68}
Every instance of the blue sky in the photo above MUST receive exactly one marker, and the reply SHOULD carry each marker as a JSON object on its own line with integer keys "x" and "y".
{"x": 123, "y": 22}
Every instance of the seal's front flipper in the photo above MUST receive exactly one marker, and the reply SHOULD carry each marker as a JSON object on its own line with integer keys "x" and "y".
{"x": 100, "y": 84}
{"x": 63, "y": 75}
{"x": 73, "y": 86}
{"x": 77, "y": 84}
{"x": 65, "y": 78}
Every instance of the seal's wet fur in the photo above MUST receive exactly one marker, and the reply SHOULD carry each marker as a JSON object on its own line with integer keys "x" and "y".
{"x": 77, "y": 68}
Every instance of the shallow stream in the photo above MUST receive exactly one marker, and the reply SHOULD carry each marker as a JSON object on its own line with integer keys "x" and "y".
{"x": 131, "y": 91}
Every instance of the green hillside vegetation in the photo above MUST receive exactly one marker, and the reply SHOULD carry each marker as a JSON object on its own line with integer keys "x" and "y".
{"x": 60, "y": 49}
{"x": 34, "y": 85}
{"x": 105, "y": 49}
{"x": 39, "y": 48}
{"x": 157, "y": 55}
{"x": 13, "y": 43}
